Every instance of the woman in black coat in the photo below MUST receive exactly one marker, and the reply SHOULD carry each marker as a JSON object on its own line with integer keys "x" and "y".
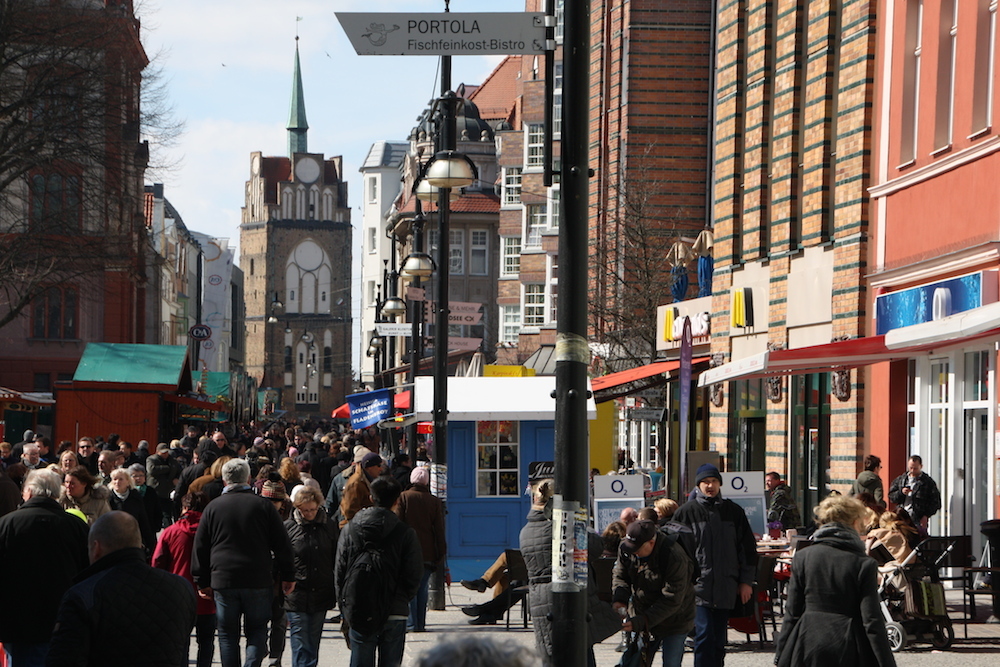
{"x": 125, "y": 498}
{"x": 833, "y": 615}
{"x": 314, "y": 547}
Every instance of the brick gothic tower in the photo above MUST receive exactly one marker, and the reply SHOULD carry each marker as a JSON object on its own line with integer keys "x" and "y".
{"x": 295, "y": 244}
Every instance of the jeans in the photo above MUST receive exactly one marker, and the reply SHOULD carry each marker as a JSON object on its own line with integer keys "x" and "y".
{"x": 305, "y": 631}
{"x": 254, "y": 606}
{"x": 673, "y": 650}
{"x": 204, "y": 629}
{"x": 418, "y": 605}
{"x": 279, "y": 628}
{"x": 389, "y": 642}
{"x": 710, "y": 628}
{"x": 23, "y": 654}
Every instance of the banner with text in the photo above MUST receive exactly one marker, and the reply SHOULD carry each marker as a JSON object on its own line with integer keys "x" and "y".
{"x": 370, "y": 407}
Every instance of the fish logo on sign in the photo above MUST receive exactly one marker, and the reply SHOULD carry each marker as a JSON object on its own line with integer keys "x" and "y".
{"x": 378, "y": 34}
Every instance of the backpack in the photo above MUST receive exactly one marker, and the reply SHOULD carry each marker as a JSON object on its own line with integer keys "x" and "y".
{"x": 685, "y": 537}
{"x": 370, "y": 583}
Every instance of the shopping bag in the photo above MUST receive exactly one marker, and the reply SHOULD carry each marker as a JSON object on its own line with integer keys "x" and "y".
{"x": 639, "y": 652}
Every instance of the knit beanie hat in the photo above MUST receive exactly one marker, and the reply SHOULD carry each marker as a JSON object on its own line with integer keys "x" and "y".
{"x": 420, "y": 476}
{"x": 273, "y": 491}
{"x": 706, "y": 470}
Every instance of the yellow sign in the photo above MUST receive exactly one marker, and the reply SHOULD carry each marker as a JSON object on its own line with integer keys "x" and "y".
{"x": 496, "y": 371}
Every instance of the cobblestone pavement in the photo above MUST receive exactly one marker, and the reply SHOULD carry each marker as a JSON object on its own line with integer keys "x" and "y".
{"x": 982, "y": 647}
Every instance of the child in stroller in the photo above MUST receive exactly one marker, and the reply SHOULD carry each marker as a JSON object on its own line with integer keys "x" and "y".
{"x": 912, "y": 596}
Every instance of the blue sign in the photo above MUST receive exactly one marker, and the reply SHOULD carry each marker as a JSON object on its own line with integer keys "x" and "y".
{"x": 916, "y": 304}
{"x": 369, "y": 408}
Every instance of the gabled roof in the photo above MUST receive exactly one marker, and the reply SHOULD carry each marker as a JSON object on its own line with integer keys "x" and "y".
{"x": 161, "y": 365}
{"x": 495, "y": 97}
{"x": 470, "y": 202}
{"x": 385, "y": 154}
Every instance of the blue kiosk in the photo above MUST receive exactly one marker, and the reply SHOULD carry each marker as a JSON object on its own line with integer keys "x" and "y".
{"x": 496, "y": 427}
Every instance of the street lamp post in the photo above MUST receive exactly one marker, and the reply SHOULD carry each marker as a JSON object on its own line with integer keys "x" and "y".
{"x": 418, "y": 265}
{"x": 569, "y": 515}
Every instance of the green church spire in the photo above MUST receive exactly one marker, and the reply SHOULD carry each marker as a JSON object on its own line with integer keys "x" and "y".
{"x": 297, "y": 124}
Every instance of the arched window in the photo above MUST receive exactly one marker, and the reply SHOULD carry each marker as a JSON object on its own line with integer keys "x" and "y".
{"x": 288, "y": 359}
{"x": 327, "y": 359}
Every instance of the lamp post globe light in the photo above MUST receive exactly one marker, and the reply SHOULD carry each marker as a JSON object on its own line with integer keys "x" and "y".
{"x": 431, "y": 193}
{"x": 417, "y": 265}
{"x": 393, "y": 307}
{"x": 450, "y": 169}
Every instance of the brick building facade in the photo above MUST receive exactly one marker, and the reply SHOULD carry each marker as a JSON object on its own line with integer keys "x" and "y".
{"x": 795, "y": 92}
{"x": 295, "y": 251}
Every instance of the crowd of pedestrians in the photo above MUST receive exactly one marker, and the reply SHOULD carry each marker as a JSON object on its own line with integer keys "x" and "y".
{"x": 236, "y": 537}
{"x": 252, "y": 539}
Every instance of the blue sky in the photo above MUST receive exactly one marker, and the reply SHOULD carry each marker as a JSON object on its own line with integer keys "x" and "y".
{"x": 228, "y": 64}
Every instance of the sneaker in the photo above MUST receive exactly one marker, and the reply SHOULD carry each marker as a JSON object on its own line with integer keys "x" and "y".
{"x": 475, "y": 585}
{"x": 484, "y": 620}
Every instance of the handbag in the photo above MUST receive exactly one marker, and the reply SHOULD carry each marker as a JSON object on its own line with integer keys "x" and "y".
{"x": 638, "y": 652}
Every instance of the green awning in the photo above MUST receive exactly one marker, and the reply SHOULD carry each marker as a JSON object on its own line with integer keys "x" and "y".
{"x": 132, "y": 364}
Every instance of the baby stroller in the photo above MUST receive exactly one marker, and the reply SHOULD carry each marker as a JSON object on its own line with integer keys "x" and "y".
{"x": 912, "y": 597}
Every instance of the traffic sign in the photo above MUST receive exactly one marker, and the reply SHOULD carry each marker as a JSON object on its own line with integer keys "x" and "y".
{"x": 444, "y": 34}
{"x": 200, "y": 332}
{"x": 647, "y": 414}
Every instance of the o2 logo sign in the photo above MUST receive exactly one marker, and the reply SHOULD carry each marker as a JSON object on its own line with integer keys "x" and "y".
{"x": 747, "y": 482}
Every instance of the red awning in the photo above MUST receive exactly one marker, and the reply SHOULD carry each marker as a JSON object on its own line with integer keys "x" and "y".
{"x": 950, "y": 332}
{"x": 604, "y": 385}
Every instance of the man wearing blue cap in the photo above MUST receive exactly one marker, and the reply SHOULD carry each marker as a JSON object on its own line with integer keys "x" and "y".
{"x": 727, "y": 557}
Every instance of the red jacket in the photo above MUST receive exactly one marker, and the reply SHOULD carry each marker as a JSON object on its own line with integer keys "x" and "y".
{"x": 173, "y": 554}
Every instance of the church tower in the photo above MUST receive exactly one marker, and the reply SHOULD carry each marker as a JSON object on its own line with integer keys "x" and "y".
{"x": 295, "y": 249}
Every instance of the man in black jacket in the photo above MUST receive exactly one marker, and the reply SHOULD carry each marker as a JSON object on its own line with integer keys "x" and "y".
{"x": 916, "y": 492}
{"x": 652, "y": 582}
{"x": 122, "y": 612}
{"x": 38, "y": 537}
{"x": 726, "y": 552}
{"x": 378, "y": 527}
{"x": 237, "y": 534}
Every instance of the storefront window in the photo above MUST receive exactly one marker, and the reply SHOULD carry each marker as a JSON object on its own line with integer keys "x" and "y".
{"x": 498, "y": 459}
{"x": 809, "y": 450}
{"x": 977, "y": 368}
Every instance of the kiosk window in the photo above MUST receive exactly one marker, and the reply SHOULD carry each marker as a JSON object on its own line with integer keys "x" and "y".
{"x": 497, "y": 459}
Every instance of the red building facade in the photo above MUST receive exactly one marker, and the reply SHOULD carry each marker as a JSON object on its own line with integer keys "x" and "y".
{"x": 935, "y": 251}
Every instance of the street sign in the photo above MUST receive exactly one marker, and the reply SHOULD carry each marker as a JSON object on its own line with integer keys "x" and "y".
{"x": 416, "y": 293}
{"x": 464, "y": 318}
{"x": 458, "y": 343}
{"x": 394, "y": 328}
{"x": 444, "y": 34}
{"x": 647, "y": 414}
{"x": 464, "y": 307}
{"x": 200, "y": 332}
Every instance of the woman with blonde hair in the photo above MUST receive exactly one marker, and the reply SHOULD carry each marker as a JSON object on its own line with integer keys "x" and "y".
{"x": 290, "y": 475}
{"x": 314, "y": 546}
{"x": 832, "y": 616}
{"x": 894, "y": 534}
{"x": 124, "y": 497}
{"x": 665, "y": 508}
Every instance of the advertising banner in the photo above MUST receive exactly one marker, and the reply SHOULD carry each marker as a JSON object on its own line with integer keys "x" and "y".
{"x": 370, "y": 407}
